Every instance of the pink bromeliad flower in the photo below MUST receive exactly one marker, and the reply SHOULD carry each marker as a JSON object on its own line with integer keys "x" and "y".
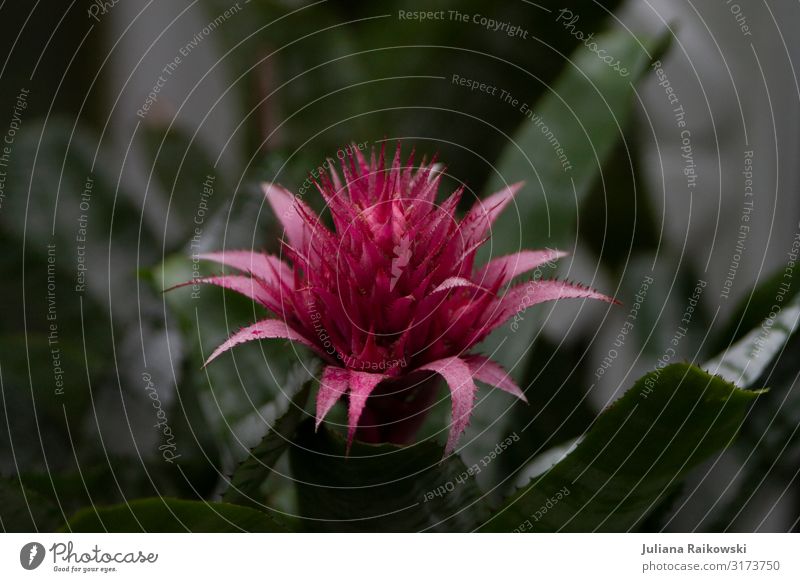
{"x": 390, "y": 297}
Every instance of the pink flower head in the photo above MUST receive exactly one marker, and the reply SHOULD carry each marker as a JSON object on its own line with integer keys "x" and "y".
{"x": 390, "y": 296}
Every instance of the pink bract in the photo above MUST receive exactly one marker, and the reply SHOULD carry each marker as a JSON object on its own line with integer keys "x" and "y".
{"x": 390, "y": 296}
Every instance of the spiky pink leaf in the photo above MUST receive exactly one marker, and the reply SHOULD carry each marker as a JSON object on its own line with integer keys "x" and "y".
{"x": 361, "y": 386}
{"x": 293, "y": 214}
{"x": 452, "y": 283}
{"x": 266, "y": 267}
{"x": 492, "y": 373}
{"x": 456, "y": 373}
{"x": 332, "y": 386}
{"x": 264, "y": 329}
{"x": 479, "y": 220}
{"x": 525, "y": 295}
{"x": 247, "y": 286}
{"x": 503, "y": 269}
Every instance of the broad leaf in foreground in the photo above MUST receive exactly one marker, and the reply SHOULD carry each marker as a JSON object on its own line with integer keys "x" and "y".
{"x": 634, "y": 455}
{"x": 768, "y": 451}
{"x": 164, "y": 515}
{"x": 745, "y": 361}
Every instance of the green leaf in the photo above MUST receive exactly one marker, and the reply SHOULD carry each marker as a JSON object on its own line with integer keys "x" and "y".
{"x": 33, "y": 403}
{"x": 744, "y": 362}
{"x": 586, "y": 112}
{"x": 163, "y": 515}
{"x": 480, "y": 123}
{"x": 83, "y": 240}
{"x": 557, "y": 409}
{"x": 769, "y": 447}
{"x": 767, "y": 453}
{"x": 248, "y": 479}
{"x": 633, "y": 457}
{"x": 753, "y": 309}
{"x": 23, "y": 510}
{"x": 560, "y": 152}
{"x": 381, "y": 487}
{"x": 587, "y": 109}
{"x": 617, "y": 218}
{"x": 183, "y": 172}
